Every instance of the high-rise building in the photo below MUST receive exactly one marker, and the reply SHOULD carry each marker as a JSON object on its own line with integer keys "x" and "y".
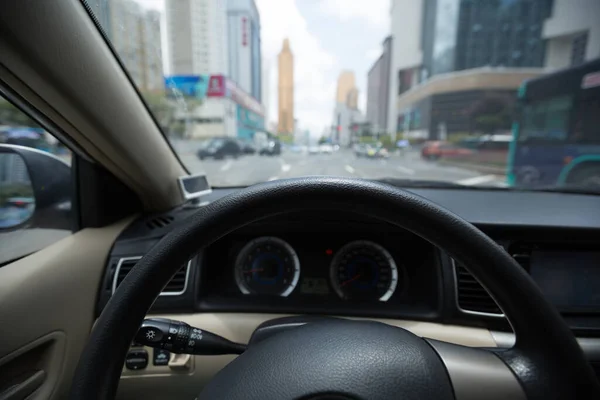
{"x": 265, "y": 95}
{"x": 151, "y": 77}
{"x": 442, "y": 37}
{"x": 346, "y": 83}
{"x": 572, "y": 33}
{"x": 135, "y": 34}
{"x": 407, "y": 55}
{"x": 286, "y": 89}
{"x": 243, "y": 35}
{"x": 352, "y": 99}
{"x": 465, "y": 34}
{"x": 378, "y": 89}
{"x": 197, "y": 37}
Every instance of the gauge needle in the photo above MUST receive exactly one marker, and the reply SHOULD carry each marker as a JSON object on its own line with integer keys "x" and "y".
{"x": 350, "y": 280}
{"x": 254, "y": 270}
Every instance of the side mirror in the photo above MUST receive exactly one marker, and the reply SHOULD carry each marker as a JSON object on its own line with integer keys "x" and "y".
{"x": 35, "y": 189}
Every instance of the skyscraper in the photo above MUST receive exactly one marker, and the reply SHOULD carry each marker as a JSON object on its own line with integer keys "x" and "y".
{"x": 135, "y": 34}
{"x": 286, "y": 89}
{"x": 466, "y": 34}
{"x": 346, "y": 83}
{"x": 197, "y": 37}
{"x": 243, "y": 37}
{"x": 352, "y": 99}
{"x": 378, "y": 89}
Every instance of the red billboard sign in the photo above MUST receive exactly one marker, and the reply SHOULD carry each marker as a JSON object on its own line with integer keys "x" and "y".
{"x": 216, "y": 86}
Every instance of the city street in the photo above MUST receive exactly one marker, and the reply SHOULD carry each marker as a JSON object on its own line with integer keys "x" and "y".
{"x": 251, "y": 169}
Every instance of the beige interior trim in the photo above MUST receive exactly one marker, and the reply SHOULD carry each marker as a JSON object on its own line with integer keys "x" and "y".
{"x": 59, "y": 62}
{"x": 52, "y": 293}
{"x": 163, "y": 382}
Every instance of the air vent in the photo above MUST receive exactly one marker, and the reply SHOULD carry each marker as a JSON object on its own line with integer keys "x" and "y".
{"x": 159, "y": 222}
{"x": 472, "y": 297}
{"x": 176, "y": 286}
{"x": 521, "y": 252}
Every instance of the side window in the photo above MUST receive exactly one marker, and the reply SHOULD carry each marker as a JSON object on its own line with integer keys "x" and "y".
{"x": 35, "y": 186}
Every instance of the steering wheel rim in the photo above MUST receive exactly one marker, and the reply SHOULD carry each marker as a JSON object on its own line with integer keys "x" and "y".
{"x": 546, "y": 358}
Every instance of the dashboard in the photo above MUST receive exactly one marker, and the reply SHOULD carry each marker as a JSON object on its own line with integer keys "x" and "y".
{"x": 337, "y": 264}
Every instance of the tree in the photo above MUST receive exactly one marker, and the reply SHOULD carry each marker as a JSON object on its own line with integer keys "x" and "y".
{"x": 11, "y": 115}
{"x": 323, "y": 139}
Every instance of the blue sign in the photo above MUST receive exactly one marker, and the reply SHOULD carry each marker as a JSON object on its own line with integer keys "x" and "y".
{"x": 187, "y": 85}
{"x": 248, "y": 123}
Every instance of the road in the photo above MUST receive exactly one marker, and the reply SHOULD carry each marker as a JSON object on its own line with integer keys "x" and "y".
{"x": 251, "y": 169}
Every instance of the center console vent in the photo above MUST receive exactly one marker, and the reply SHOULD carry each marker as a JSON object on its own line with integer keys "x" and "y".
{"x": 472, "y": 298}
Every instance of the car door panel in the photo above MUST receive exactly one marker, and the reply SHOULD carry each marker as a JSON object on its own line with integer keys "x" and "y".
{"x": 49, "y": 298}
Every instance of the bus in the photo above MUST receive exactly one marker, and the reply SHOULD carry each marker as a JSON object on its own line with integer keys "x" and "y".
{"x": 556, "y": 133}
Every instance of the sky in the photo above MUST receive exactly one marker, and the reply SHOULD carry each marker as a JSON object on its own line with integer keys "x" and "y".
{"x": 326, "y": 37}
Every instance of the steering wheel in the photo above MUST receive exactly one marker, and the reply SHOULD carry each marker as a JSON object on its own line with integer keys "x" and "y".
{"x": 340, "y": 359}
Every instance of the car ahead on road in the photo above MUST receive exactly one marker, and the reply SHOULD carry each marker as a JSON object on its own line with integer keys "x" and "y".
{"x": 271, "y": 148}
{"x": 376, "y": 151}
{"x": 360, "y": 149}
{"x": 314, "y": 150}
{"x": 325, "y": 148}
{"x": 247, "y": 147}
{"x": 219, "y": 148}
{"x": 437, "y": 149}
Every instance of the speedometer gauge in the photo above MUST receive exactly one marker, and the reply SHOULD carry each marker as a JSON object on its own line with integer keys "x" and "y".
{"x": 267, "y": 265}
{"x": 364, "y": 270}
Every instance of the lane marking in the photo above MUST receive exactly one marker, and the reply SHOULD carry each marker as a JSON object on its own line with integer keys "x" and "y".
{"x": 273, "y": 178}
{"x": 226, "y": 166}
{"x": 477, "y": 180}
{"x": 349, "y": 169}
{"x": 405, "y": 170}
{"x": 285, "y": 167}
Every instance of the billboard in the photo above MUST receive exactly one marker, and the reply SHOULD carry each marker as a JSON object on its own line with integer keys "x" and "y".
{"x": 187, "y": 85}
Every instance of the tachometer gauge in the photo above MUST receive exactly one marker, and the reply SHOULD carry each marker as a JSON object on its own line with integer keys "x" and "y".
{"x": 364, "y": 270}
{"x": 267, "y": 265}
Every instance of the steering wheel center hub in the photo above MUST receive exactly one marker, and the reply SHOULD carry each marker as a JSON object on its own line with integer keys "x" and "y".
{"x": 335, "y": 359}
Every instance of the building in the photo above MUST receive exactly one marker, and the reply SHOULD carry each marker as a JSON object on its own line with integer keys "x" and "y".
{"x": 352, "y": 99}
{"x": 224, "y": 109}
{"x": 285, "y": 89}
{"x": 465, "y": 34}
{"x": 572, "y": 33}
{"x": 197, "y": 37}
{"x": 243, "y": 36}
{"x": 265, "y": 93}
{"x": 461, "y": 102}
{"x": 458, "y": 35}
{"x": 346, "y": 83}
{"x": 407, "y": 55}
{"x": 200, "y": 49}
{"x": 344, "y": 118}
{"x": 378, "y": 89}
{"x": 151, "y": 74}
{"x": 135, "y": 33}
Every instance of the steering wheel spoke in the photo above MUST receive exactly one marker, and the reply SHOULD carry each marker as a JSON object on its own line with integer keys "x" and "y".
{"x": 477, "y": 373}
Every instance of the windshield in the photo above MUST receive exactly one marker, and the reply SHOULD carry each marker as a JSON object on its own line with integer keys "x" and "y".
{"x": 501, "y": 93}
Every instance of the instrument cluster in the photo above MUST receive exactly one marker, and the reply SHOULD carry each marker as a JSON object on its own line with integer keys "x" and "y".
{"x": 361, "y": 269}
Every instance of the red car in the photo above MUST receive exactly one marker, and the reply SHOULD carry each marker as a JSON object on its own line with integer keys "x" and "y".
{"x": 437, "y": 149}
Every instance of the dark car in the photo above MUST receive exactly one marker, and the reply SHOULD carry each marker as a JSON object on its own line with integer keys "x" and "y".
{"x": 271, "y": 148}
{"x": 219, "y": 148}
{"x": 247, "y": 147}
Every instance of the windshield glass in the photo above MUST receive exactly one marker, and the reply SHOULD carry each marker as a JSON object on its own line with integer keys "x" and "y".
{"x": 501, "y": 93}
